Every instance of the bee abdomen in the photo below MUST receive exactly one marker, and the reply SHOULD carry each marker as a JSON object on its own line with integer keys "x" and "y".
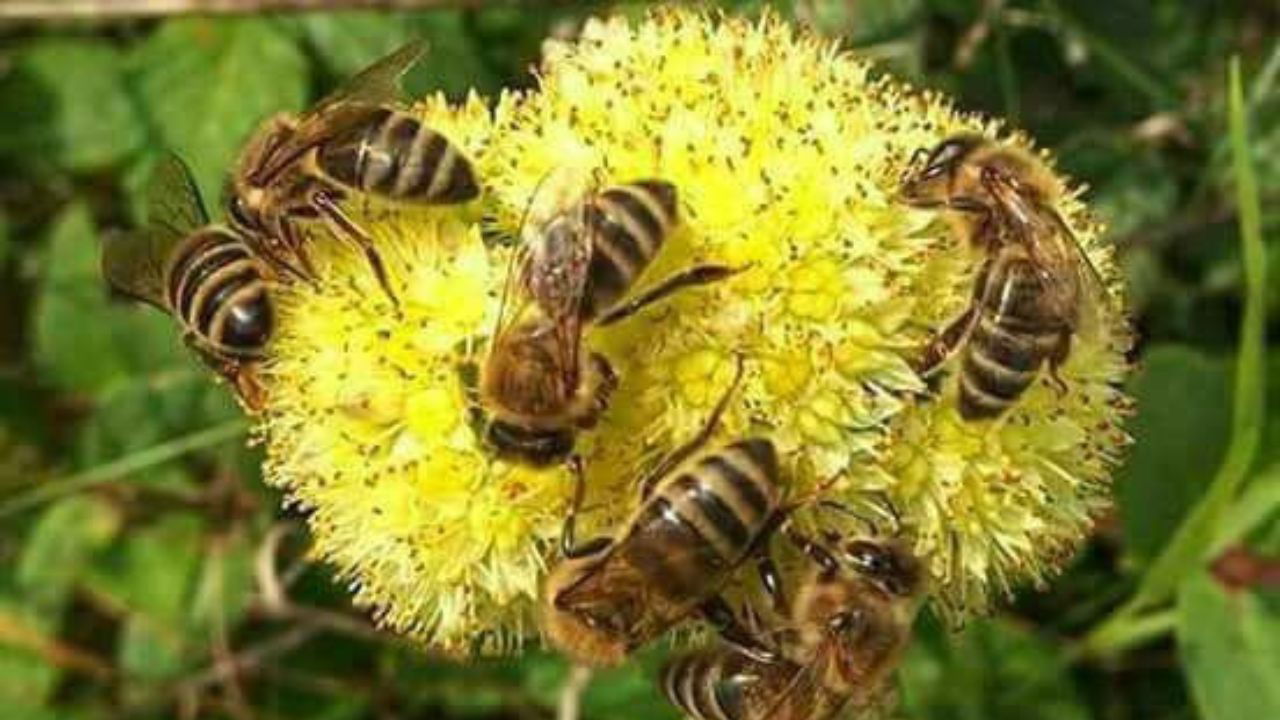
{"x": 632, "y": 222}
{"x": 727, "y": 496}
{"x": 693, "y": 683}
{"x": 217, "y": 291}
{"x": 393, "y": 154}
{"x": 998, "y": 367}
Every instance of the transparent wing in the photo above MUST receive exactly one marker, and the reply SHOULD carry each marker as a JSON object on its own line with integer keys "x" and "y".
{"x": 346, "y": 107}
{"x": 134, "y": 263}
{"x": 1092, "y": 300}
{"x": 376, "y": 84}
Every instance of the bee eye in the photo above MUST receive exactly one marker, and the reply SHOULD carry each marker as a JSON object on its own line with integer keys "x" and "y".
{"x": 240, "y": 212}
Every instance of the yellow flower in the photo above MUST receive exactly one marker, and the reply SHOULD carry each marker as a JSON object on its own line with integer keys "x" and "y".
{"x": 787, "y": 155}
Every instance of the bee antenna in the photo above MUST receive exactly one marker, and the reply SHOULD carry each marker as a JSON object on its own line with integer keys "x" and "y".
{"x": 846, "y": 510}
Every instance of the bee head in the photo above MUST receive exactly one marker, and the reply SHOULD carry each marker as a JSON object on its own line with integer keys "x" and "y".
{"x": 889, "y": 565}
{"x": 583, "y": 620}
{"x": 932, "y": 177}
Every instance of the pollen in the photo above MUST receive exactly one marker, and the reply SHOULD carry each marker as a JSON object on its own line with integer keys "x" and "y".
{"x": 786, "y": 154}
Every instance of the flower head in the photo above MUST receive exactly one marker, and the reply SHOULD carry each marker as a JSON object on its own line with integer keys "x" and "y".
{"x": 786, "y": 155}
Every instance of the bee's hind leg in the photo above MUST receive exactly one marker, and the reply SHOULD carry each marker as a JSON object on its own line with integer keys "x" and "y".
{"x": 569, "y": 546}
{"x": 1061, "y": 351}
{"x": 348, "y": 228}
{"x": 716, "y": 611}
{"x": 684, "y": 451}
{"x": 704, "y": 274}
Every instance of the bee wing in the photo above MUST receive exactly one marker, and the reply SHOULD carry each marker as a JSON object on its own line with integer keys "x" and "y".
{"x": 376, "y": 84}
{"x": 345, "y": 107}
{"x": 134, "y": 263}
{"x": 1085, "y": 300}
{"x": 515, "y": 300}
{"x": 801, "y": 691}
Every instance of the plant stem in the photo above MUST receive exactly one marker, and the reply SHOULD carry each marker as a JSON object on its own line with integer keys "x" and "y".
{"x": 1191, "y": 541}
{"x": 571, "y": 694}
{"x": 123, "y": 467}
{"x": 1120, "y": 637}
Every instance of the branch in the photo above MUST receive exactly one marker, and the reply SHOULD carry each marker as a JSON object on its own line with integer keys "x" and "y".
{"x": 55, "y": 10}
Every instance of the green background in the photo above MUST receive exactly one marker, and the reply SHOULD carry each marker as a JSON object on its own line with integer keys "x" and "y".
{"x": 132, "y": 519}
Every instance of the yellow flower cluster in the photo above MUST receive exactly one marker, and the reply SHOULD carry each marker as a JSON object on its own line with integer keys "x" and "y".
{"x": 787, "y": 155}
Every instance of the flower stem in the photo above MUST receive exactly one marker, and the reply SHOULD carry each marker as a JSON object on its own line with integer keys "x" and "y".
{"x": 124, "y": 466}
{"x": 1189, "y": 544}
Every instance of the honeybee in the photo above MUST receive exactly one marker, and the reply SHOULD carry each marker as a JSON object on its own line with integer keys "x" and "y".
{"x": 355, "y": 140}
{"x": 850, "y": 623}
{"x": 1036, "y": 289}
{"x": 204, "y": 275}
{"x": 702, "y": 513}
{"x": 538, "y": 388}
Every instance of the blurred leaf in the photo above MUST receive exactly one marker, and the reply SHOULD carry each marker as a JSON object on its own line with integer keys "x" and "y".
{"x": 147, "y": 411}
{"x": 225, "y": 585}
{"x": 453, "y": 63}
{"x": 346, "y": 42}
{"x": 82, "y": 342}
{"x": 207, "y": 83}
{"x": 152, "y": 576}
{"x": 630, "y": 691}
{"x": 65, "y": 102}
{"x": 25, "y": 676}
{"x": 991, "y": 671}
{"x": 1230, "y": 648}
{"x": 56, "y": 551}
{"x": 1181, "y": 432}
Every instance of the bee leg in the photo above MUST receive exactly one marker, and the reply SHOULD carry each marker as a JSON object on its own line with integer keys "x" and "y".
{"x": 945, "y": 343}
{"x": 704, "y": 274}
{"x": 1058, "y": 356}
{"x": 348, "y": 228}
{"x": 682, "y": 453}
{"x": 819, "y": 554}
{"x": 569, "y": 546}
{"x": 771, "y": 580}
{"x": 716, "y": 611}
{"x": 606, "y": 385}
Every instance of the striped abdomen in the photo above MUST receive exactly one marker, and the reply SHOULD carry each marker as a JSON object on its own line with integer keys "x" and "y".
{"x": 630, "y": 223}
{"x": 700, "y": 522}
{"x": 726, "y": 685}
{"x": 1015, "y": 332}
{"x": 216, "y": 289}
{"x": 394, "y": 155}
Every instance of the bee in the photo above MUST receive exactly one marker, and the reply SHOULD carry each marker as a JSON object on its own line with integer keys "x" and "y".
{"x": 301, "y": 167}
{"x": 702, "y": 514}
{"x": 848, "y": 628}
{"x": 538, "y": 388}
{"x": 204, "y": 275}
{"x": 1036, "y": 290}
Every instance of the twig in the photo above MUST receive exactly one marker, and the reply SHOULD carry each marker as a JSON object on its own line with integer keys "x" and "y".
{"x": 61, "y": 10}
{"x": 571, "y": 694}
{"x": 14, "y": 633}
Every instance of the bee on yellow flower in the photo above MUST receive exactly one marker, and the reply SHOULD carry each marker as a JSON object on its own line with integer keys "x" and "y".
{"x": 787, "y": 156}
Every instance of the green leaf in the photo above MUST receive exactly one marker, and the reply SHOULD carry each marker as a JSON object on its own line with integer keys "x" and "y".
{"x": 346, "y": 42}
{"x": 65, "y": 101}
{"x": 991, "y": 671}
{"x": 144, "y": 413}
{"x": 207, "y": 83}
{"x": 1181, "y": 433}
{"x": 454, "y": 63}
{"x": 58, "y": 549}
{"x": 225, "y": 585}
{"x": 153, "y": 577}
{"x": 83, "y": 341}
{"x": 1189, "y": 543}
{"x": 1230, "y": 648}
{"x": 56, "y": 552}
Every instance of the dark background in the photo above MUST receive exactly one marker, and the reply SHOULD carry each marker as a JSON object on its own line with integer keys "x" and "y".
{"x": 134, "y": 525}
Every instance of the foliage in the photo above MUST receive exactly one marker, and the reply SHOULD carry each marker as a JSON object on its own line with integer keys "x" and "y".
{"x": 149, "y": 573}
